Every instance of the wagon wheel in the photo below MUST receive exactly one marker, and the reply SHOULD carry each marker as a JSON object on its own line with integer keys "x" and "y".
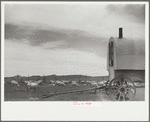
{"x": 121, "y": 88}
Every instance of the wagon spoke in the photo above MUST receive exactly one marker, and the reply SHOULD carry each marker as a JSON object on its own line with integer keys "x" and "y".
{"x": 117, "y": 93}
{"x": 112, "y": 92}
{"x": 131, "y": 89}
{"x": 128, "y": 90}
{"x": 131, "y": 92}
{"x": 123, "y": 95}
{"x": 128, "y": 96}
{"x": 125, "y": 83}
{"x": 119, "y": 96}
{"x": 117, "y": 84}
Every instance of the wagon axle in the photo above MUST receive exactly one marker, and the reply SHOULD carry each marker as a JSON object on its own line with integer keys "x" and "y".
{"x": 122, "y": 90}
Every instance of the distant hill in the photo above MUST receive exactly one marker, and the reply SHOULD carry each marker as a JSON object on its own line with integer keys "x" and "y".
{"x": 52, "y": 77}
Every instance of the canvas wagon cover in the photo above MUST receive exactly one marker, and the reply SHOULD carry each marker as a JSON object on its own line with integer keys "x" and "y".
{"x": 129, "y": 54}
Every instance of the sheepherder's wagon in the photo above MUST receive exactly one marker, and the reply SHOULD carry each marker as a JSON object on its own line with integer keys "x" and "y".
{"x": 126, "y": 67}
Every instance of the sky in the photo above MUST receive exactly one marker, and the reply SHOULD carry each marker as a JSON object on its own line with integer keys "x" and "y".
{"x": 66, "y": 38}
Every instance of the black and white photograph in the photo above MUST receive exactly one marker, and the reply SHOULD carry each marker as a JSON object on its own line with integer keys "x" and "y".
{"x": 77, "y": 52}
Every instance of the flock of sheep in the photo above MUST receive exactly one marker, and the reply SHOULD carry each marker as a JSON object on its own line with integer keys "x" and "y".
{"x": 34, "y": 84}
{"x": 30, "y": 84}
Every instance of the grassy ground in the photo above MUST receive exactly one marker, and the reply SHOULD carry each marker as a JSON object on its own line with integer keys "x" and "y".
{"x": 140, "y": 94}
{"x": 23, "y": 95}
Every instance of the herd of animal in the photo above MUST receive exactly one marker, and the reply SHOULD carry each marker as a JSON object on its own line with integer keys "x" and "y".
{"x": 34, "y": 84}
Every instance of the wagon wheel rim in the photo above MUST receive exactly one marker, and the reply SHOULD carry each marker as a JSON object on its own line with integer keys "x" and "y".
{"x": 121, "y": 88}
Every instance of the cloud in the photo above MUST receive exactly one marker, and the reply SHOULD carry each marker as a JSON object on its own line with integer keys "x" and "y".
{"x": 135, "y": 11}
{"x": 36, "y": 36}
{"x": 101, "y": 20}
{"x": 55, "y": 38}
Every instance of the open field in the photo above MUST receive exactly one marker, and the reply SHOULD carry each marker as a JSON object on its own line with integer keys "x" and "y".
{"x": 11, "y": 94}
{"x": 15, "y": 93}
{"x": 23, "y": 95}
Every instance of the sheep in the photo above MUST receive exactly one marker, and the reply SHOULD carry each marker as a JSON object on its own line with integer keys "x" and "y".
{"x": 39, "y": 82}
{"x": 57, "y": 83}
{"x": 134, "y": 79}
{"x": 102, "y": 83}
{"x": 51, "y": 85}
{"x": 52, "y": 82}
{"x": 94, "y": 84}
{"x": 65, "y": 81}
{"x": 32, "y": 85}
{"x": 30, "y": 81}
{"x": 137, "y": 81}
{"x": 26, "y": 82}
{"x": 82, "y": 82}
{"x": 74, "y": 83}
{"x": 13, "y": 82}
{"x": 88, "y": 82}
{"x": 60, "y": 83}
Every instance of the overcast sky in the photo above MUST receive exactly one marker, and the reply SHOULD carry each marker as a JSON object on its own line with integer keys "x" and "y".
{"x": 66, "y": 38}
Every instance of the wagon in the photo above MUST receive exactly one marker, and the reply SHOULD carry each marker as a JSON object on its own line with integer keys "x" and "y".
{"x": 126, "y": 66}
